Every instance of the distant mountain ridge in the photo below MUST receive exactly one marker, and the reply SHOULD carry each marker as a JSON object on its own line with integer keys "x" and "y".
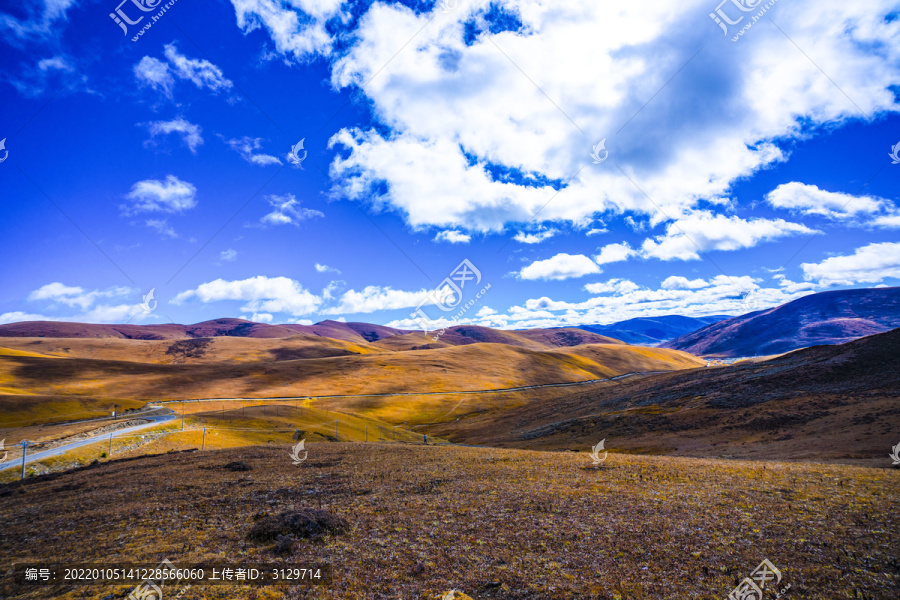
{"x": 351, "y": 332}
{"x": 654, "y": 330}
{"x": 833, "y": 317}
{"x": 358, "y": 333}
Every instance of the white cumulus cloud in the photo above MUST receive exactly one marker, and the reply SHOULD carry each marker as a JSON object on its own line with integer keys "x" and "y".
{"x": 561, "y": 266}
{"x": 870, "y": 264}
{"x": 262, "y": 295}
{"x": 810, "y": 200}
{"x": 452, "y": 236}
{"x": 703, "y": 231}
{"x": 152, "y": 195}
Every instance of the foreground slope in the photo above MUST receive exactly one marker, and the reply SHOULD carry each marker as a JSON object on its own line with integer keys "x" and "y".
{"x": 495, "y": 524}
{"x": 821, "y": 403}
{"x": 824, "y": 318}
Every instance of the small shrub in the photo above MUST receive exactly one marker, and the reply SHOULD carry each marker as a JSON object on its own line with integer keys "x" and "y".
{"x": 310, "y": 523}
{"x": 237, "y": 465}
{"x": 284, "y": 545}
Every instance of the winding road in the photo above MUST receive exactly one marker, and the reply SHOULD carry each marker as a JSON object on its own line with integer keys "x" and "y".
{"x": 155, "y": 421}
{"x": 158, "y": 420}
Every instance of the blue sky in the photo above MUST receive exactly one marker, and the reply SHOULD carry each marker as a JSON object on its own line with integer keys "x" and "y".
{"x": 736, "y": 171}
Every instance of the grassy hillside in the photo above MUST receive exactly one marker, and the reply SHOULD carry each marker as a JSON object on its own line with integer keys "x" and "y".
{"x": 469, "y": 367}
{"x": 191, "y": 350}
{"x": 832, "y": 317}
{"x": 495, "y": 524}
{"x": 834, "y": 403}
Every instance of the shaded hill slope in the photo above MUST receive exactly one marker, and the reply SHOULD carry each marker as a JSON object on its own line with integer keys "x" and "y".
{"x": 824, "y": 318}
{"x": 825, "y": 402}
{"x": 467, "y": 367}
{"x": 461, "y": 335}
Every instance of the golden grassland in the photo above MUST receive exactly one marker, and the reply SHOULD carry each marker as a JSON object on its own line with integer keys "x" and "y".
{"x": 510, "y": 524}
{"x": 235, "y": 349}
{"x": 236, "y": 424}
{"x": 19, "y": 410}
{"x": 468, "y": 367}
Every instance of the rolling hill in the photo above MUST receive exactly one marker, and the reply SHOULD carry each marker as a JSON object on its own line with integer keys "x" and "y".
{"x": 821, "y": 403}
{"x": 824, "y": 318}
{"x": 462, "y": 335}
{"x": 351, "y": 332}
{"x": 43, "y": 376}
{"x": 456, "y": 368}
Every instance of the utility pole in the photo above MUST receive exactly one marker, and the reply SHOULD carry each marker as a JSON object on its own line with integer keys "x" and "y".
{"x": 24, "y": 452}
{"x": 203, "y": 447}
{"x": 110, "y": 445}
{"x": 115, "y": 410}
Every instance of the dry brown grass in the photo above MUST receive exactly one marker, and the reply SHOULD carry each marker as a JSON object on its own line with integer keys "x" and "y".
{"x": 469, "y": 367}
{"x": 19, "y": 410}
{"x": 505, "y": 524}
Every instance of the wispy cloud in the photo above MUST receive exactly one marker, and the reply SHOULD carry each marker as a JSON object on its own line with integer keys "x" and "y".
{"x": 287, "y": 211}
{"x": 453, "y": 237}
{"x": 152, "y": 195}
{"x": 190, "y": 133}
{"x": 247, "y": 147}
{"x": 161, "y": 75}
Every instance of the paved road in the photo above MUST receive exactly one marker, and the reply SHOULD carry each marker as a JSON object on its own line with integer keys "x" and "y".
{"x": 154, "y": 422}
